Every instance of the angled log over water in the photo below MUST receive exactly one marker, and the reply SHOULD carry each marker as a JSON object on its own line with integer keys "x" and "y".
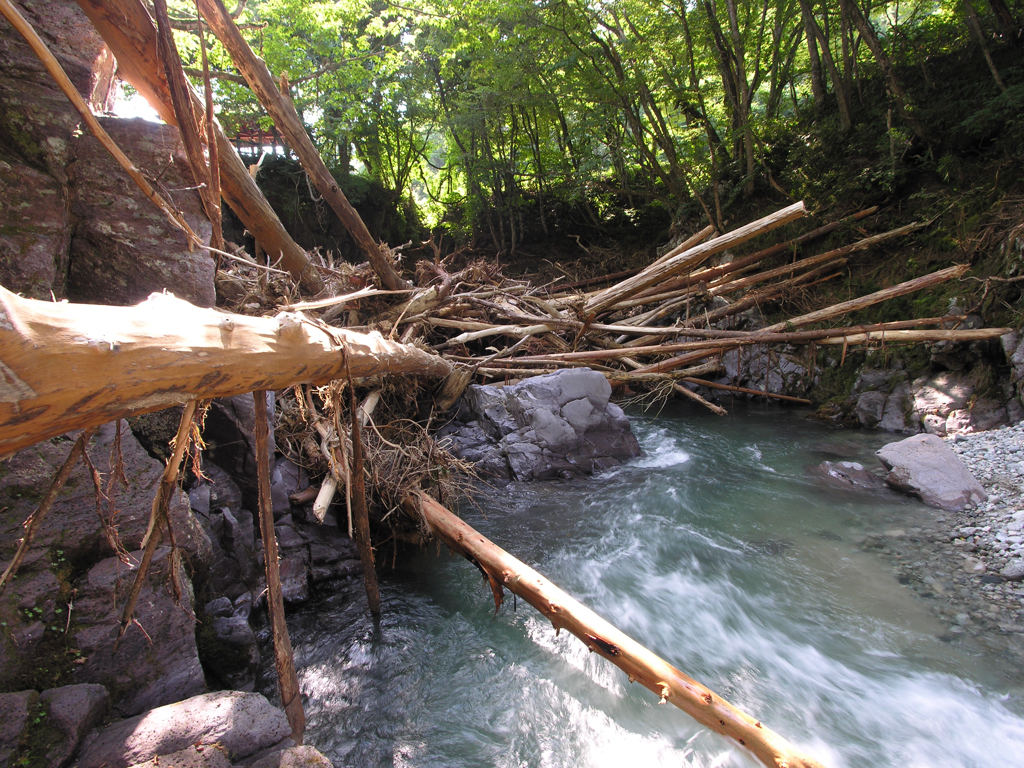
{"x": 128, "y": 31}
{"x": 72, "y": 366}
{"x": 506, "y": 572}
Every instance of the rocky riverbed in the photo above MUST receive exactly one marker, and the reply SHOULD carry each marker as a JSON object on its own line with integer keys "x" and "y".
{"x": 969, "y": 565}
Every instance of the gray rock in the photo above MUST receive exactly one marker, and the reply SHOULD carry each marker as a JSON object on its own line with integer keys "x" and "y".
{"x": 15, "y": 710}
{"x": 848, "y": 475}
{"x": 124, "y": 247}
{"x": 203, "y": 756}
{"x": 286, "y": 479}
{"x": 74, "y": 710}
{"x": 547, "y": 426}
{"x": 942, "y": 393}
{"x": 241, "y": 723}
{"x": 72, "y": 533}
{"x": 926, "y": 467}
{"x": 146, "y": 670}
{"x": 232, "y": 655}
{"x": 294, "y": 757}
{"x": 870, "y": 407}
{"x": 897, "y": 404}
{"x": 1014, "y": 571}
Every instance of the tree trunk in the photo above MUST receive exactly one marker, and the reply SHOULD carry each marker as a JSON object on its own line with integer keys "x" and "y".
{"x": 287, "y": 120}
{"x": 503, "y": 571}
{"x": 73, "y": 366}
{"x": 128, "y": 31}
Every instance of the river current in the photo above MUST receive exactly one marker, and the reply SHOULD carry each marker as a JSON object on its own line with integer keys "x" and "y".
{"x": 718, "y": 552}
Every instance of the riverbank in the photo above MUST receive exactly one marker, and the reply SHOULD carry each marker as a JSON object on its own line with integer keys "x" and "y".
{"x": 960, "y": 561}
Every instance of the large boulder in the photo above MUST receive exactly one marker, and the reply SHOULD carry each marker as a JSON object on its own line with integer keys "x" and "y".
{"x": 243, "y": 724}
{"x": 548, "y": 426}
{"x": 924, "y": 466}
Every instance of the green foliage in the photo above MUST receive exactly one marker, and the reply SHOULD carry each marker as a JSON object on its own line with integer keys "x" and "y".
{"x": 495, "y": 117}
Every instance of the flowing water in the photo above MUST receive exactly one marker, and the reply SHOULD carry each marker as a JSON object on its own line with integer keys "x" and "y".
{"x": 717, "y": 552}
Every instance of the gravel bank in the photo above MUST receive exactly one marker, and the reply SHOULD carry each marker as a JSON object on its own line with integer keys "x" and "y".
{"x": 969, "y": 564}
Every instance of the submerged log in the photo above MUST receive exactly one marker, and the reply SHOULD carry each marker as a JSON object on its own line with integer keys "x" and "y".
{"x": 670, "y": 684}
{"x": 72, "y": 366}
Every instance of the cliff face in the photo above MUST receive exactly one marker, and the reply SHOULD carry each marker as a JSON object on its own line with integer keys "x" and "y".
{"x": 72, "y": 224}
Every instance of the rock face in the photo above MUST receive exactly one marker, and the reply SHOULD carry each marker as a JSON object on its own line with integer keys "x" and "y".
{"x": 73, "y": 552}
{"x": 241, "y": 723}
{"x": 926, "y": 467}
{"x": 549, "y": 426}
{"x": 74, "y": 224}
{"x": 123, "y": 248}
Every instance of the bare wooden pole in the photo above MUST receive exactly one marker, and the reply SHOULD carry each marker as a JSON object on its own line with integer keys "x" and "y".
{"x": 127, "y": 29}
{"x": 910, "y": 286}
{"x": 185, "y": 112}
{"x": 503, "y": 571}
{"x": 360, "y": 514}
{"x": 164, "y": 352}
{"x": 287, "y": 120}
{"x": 287, "y": 681}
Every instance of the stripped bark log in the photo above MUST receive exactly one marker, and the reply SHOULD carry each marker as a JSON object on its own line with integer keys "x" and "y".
{"x": 128, "y": 31}
{"x": 73, "y": 366}
{"x": 287, "y": 681}
{"x": 288, "y": 122}
{"x": 641, "y": 665}
{"x": 360, "y": 514}
{"x": 691, "y": 258}
{"x": 910, "y": 286}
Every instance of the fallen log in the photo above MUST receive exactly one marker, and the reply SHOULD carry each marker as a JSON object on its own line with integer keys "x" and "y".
{"x": 853, "y": 305}
{"x": 72, "y": 366}
{"x": 503, "y": 571}
{"x": 127, "y": 29}
{"x": 690, "y": 258}
{"x": 282, "y": 111}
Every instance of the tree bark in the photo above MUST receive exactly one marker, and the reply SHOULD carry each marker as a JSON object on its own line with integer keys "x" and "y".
{"x": 72, "y": 366}
{"x": 128, "y": 31}
{"x": 641, "y": 665}
{"x": 287, "y": 120}
{"x": 287, "y": 681}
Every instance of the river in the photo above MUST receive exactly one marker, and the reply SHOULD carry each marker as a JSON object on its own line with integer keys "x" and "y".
{"x": 719, "y": 553}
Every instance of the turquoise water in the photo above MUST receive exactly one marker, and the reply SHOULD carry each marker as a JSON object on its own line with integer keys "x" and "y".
{"x": 717, "y": 552}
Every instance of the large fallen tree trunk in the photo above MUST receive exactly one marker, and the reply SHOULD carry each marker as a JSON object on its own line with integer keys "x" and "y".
{"x": 127, "y": 29}
{"x": 280, "y": 108}
{"x": 71, "y": 366}
{"x": 506, "y": 572}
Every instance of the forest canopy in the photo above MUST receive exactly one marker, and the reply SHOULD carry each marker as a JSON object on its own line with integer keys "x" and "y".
{"x": 500, "y": 117}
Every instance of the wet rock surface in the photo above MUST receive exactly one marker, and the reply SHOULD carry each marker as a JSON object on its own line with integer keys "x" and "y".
{"x": 557, "y": 425}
